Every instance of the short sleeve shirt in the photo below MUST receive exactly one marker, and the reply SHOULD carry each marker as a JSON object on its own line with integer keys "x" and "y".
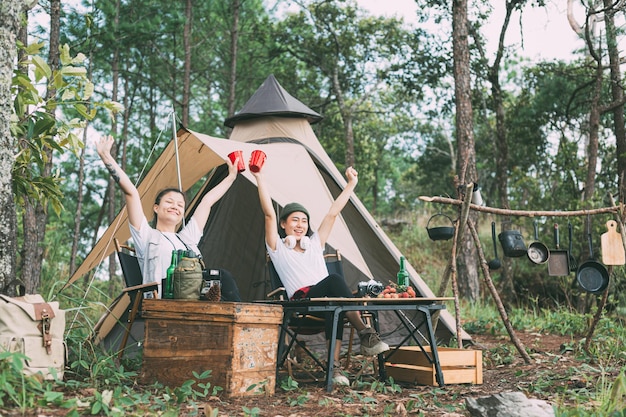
{"x": 299, "y": 269}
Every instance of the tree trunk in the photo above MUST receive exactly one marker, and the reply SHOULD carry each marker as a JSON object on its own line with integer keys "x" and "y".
{"x": 467, "y": 268}
{"x": 234, "y": 40}
{"x": 115, "y": 63}
{"x": 502, "y": 148}
{"x": 35, "y": 217}
{"x": 187, "y": 69}
{"x": 9, "y": 27}
{"x": 346, "y": 117}
{"x": 617, "y": 94}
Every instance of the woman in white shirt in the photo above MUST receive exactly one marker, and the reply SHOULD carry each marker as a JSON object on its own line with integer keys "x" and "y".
{"x": 299, "y": 262}
{"x": 154, "y": 245}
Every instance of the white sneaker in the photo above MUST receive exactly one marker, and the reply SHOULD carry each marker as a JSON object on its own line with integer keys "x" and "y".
{"x": 338, "y": 377}
{"x": 371, "y": 344}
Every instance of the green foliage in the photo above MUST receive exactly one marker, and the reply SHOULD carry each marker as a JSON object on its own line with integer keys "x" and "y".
{"x": 288, "y": 384}
{"x": 37, "y": 125}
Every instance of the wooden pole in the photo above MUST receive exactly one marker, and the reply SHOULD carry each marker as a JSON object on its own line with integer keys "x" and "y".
{"x": 496, "y": 297}
{"x": 522, "y": 213}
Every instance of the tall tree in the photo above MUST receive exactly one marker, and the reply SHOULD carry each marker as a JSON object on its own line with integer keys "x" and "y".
{"x": 611, "y": 8}
{"x": 466, "y": 153}
{"x": 10, "y": 14}
{"x": 35, "y": 214}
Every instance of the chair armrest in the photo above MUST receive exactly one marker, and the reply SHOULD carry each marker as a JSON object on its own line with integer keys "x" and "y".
{"x": 279, "y": 293}
{"x": 150, "y": 286}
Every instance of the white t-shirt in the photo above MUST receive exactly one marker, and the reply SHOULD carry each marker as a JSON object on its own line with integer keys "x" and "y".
{"x": 154, "y": 248}
{"x": 299, "y": 269}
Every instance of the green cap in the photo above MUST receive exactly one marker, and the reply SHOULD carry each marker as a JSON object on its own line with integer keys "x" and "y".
{"x": 293, "y": 207}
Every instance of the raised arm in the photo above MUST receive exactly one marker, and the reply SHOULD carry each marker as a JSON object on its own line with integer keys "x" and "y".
{"x": 329, "y": 220}
{"x": 201, "y": 214}
{"x": 133, "y": 201}
{"x": 271, "y": 236}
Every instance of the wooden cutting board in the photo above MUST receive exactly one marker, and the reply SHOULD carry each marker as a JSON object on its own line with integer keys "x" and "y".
{"x": 612, "y": 245}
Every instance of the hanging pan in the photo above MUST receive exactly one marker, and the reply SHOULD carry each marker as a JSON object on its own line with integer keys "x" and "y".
{"x": 592, "y": 276}
{"x": 558, "y": 263}
{"x": 538, "y": 253}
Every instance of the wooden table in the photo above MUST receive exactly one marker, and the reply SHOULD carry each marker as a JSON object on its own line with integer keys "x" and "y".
{"x": 337, "y": 306}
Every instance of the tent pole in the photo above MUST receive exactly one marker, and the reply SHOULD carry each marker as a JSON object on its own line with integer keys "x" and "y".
{"x": 180, "y": 185}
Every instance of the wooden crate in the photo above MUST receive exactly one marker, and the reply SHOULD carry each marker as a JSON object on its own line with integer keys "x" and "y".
{"x": 236, "y": 341}
{"x": 459, "y": 366}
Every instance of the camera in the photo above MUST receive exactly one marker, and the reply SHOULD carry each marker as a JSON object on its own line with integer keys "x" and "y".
{"x": 211, "y": 274}
{"x": 211, "y": 285}
{"x": 369, "y": 288}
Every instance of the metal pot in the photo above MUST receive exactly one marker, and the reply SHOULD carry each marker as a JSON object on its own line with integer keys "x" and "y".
{"x": 538, "y": 253}
{"x": 440, "y": 232}
{"x": 592, "y": 276}
{"x": 512, "y": 243}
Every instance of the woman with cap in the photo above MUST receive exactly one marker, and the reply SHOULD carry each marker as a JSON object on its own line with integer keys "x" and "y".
{"x": 154, "y": 246}
{"x": 298, "y": 256}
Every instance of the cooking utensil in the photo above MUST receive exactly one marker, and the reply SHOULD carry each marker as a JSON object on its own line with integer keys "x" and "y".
{"x": 592, "y": 276}
{"x": 440, "y": 232}
{"x": 573, "y": 263}
{"x": 538, "y": 253}
{"x": 495, "y": 263}
{"x": 558, "y": 263}
{"x": 512, "y": 243}
{"x": 612, "y": 245}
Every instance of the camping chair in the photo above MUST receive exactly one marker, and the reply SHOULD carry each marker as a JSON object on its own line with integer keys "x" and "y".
{"x": 307, "y": 324}
{"x": 135, "y": 288}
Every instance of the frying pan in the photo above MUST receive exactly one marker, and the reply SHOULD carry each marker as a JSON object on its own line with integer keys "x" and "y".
{"x": 592, "y": 276}
{"x": 538, "y": 253}
{"x": 558, "y": 262}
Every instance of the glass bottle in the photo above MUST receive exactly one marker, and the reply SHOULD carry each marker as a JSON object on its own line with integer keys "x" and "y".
{"x": 402, "y": 278}
{"x": 168, "y": 291}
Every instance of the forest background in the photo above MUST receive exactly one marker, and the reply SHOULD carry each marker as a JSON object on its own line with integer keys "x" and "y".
{"x": 418, "y": 111}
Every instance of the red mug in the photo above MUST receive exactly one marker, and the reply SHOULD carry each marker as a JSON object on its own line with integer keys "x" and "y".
{"x": 241, "y": 165}
{"x": 257, "y": 159}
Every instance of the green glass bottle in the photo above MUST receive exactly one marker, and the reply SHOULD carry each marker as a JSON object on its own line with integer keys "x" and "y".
{"x": 402, "y": 278}
{"x": 168, "y": 291}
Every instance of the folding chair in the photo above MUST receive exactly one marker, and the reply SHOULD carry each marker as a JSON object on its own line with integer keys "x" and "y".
{"x": 307, "y": 324}
{"x": 135, "y": 288}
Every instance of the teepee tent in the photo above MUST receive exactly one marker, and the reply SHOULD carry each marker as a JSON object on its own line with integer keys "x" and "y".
{"x": 297, "y": 169}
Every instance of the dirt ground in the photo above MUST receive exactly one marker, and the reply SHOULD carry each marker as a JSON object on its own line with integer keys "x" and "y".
{"x": 552, "y": 374}
{"x": 555, "y": 375}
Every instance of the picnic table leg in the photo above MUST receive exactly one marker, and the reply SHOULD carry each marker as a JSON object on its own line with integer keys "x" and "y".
{"x": 331, "y": 350}
{"x": 433, "y": 345}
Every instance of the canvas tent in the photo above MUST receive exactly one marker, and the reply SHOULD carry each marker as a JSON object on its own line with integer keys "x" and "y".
{"x": 297, "y": 169}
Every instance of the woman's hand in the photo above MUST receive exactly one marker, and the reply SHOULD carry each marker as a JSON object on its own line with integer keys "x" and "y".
{"x": 352, "y": 175}
{"x": 232, "y": 167}
{"x": 104, "y": 145}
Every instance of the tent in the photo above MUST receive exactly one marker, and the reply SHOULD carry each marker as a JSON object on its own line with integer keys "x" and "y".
{"x": 297, "y": 169}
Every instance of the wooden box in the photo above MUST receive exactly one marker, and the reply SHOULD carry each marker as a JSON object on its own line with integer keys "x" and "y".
{"x": 236, "y": 341}
{"x": 459, "y": 366}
